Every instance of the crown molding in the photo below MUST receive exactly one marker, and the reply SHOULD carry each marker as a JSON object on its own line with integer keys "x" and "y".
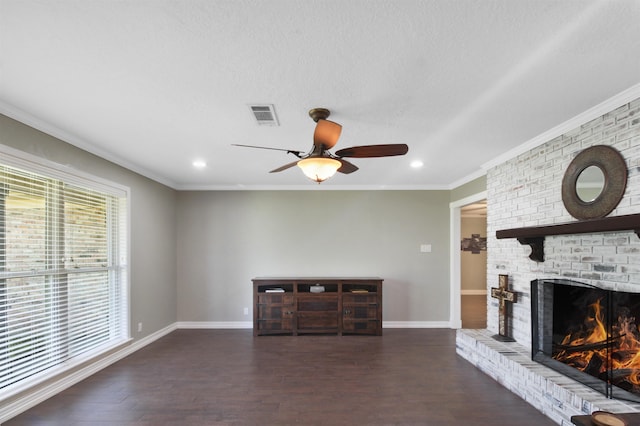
{"x": 608, "y": 105}
{"x": 315, "y": 187}
{"x": 24, "y": 117}
{"x": 599, "y": 110}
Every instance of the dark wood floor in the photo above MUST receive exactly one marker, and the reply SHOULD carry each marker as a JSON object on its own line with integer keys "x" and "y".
{"x": 228, "y": 377}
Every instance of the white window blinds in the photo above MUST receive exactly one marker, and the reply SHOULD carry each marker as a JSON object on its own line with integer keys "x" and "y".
{"x": 62, "y": 274}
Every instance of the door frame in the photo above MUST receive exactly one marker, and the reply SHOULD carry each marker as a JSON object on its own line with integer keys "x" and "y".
{"x": 455, "y": 256}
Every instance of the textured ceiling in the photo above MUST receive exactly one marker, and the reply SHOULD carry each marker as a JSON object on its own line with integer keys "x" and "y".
{"x": 154, "y": 85}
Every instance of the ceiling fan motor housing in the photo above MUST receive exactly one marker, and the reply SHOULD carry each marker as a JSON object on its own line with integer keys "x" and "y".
{"x": 319, "y": 114}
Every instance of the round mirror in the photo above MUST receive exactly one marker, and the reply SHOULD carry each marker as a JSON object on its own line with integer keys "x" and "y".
{"x": 590, "y": 184}
{"x": 594, "y": 182}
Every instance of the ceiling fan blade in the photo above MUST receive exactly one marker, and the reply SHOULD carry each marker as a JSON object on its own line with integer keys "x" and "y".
{"x": 347, "y": 167}
{"x": 368, "y": 151}
{"x": 289, "y": 151}
{"x": 326, "y": 134}
{"x": 285, "y": 167}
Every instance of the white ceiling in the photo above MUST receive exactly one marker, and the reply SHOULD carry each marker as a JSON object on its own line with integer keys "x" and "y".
{"x": 154, "y": 85}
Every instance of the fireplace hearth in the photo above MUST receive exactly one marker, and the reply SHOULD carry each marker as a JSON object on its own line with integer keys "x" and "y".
{"x": 589, "y": 334}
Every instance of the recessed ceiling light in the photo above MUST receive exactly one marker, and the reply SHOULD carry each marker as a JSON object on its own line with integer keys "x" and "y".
{"x": 199, "y": 164}
{"x": 416, "y": 164}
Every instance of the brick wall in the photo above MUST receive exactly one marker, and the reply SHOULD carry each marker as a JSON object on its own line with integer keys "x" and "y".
{"x": 526, "y": 191}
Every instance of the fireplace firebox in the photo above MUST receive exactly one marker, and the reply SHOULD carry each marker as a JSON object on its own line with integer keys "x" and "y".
{"x": 589, "y": 334}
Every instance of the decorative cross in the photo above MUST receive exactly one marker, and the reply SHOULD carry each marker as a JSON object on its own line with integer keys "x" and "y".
{"x": 503, "y": 295}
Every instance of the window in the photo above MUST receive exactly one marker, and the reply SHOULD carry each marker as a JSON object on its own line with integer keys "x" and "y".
{"x": 63, "y": 272}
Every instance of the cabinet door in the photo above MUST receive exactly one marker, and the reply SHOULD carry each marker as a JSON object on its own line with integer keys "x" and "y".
{"x": 317, "y": 312}
{"x": 275, "y": 312}
{"x": 360, "y": 313}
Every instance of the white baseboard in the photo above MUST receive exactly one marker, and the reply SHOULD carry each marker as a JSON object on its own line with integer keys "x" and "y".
{"x": 222, "y": 325}
{"x": 32, "y": 399}
{"x": 416, "y": 324}
{"x": 473, "y": 292}
{"x": 249, "y": 325}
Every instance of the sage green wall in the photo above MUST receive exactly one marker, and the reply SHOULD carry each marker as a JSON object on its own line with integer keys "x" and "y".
{"x": 473, "y": 187}
{"x": 225, "y": 238}
{"x": 152, "y": 223}
{"x": 193, "y": 253}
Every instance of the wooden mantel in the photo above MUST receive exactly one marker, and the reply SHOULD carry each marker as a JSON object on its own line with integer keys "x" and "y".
{"x": 534, "y": 235}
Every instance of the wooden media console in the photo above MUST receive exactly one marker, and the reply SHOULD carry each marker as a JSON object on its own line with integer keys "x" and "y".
{"x": 317, "y": 305}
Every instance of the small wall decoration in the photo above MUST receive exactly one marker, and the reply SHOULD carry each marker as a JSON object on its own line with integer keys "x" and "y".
{"x": 475, "y": 244}
{"x": 609, "y": 181}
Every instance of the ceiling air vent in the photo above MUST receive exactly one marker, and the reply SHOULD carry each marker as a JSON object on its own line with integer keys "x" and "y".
{"x": 265, "y": 115}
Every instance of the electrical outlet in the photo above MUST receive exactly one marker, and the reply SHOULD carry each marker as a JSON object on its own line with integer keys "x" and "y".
{"x": 246, "y": 311}
{"x": 139, "y": 327}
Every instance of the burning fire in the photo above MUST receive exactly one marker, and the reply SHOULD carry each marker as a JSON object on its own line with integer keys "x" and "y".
{"x": 594, "y": 351}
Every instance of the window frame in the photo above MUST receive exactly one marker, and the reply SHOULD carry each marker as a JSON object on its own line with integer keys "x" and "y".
{"x": 28, "y": 162}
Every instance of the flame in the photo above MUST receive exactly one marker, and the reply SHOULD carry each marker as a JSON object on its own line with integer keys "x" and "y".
{"x": 620, "y": 350}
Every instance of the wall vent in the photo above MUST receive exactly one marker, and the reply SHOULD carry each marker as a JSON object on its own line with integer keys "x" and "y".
{"x": 265, "y": 115}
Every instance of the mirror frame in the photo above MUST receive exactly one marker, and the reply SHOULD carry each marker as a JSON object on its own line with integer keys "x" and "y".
{"x": 614, "y": 169}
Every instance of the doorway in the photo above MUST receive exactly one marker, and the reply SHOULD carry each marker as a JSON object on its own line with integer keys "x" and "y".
{"x": 473, "y": 265}
{"x": 455, "y": 265}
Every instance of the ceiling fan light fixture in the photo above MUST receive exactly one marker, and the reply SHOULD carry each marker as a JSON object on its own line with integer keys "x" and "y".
{"x": 319, "y": 169}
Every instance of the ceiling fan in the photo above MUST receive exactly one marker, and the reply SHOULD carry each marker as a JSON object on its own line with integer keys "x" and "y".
{"x": 319, "y": 164}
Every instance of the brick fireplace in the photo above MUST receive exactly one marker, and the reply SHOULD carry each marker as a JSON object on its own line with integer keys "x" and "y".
{"x": 525, "y": 191}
